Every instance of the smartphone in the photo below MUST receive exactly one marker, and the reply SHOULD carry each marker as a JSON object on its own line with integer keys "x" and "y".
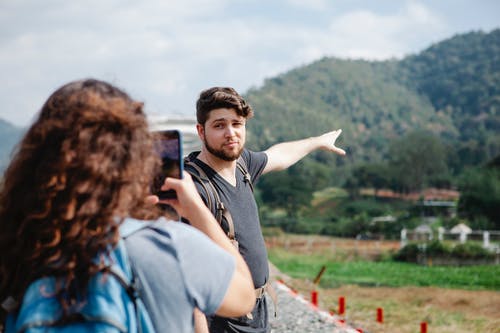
{"x": 168, "y": 145}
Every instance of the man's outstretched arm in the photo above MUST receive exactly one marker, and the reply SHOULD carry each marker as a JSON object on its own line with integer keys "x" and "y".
{"x": 285, "y": 154}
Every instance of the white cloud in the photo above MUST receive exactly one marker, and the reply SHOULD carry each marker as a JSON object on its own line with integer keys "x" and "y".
{"x": 366, "y": 34}
{"x": 309, "y": 4}
{"x": 165, "y": 52}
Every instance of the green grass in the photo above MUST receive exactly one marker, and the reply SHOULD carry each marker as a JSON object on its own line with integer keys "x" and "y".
{"x": 386, "y": 273}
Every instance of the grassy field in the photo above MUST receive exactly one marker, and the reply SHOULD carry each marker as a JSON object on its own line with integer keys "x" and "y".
{"x": 449, "y": 299}
{"x": 385, "y": 273}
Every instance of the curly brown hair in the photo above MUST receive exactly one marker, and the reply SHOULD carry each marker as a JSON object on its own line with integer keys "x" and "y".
{"x": 221, "y": 97}
{"x": 84, "y": 165}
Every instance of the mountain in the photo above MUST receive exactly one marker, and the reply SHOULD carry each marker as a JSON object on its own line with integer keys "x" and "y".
{"x": 9, "y": 136}
{"x": 461, "y": 78}
{"x": 451, "y": 90}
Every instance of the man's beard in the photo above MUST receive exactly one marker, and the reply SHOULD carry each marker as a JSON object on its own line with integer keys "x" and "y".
{"x": 220, "y": 153}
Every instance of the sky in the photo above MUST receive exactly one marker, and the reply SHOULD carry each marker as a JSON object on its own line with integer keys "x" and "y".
{"x": 165, "y": 52}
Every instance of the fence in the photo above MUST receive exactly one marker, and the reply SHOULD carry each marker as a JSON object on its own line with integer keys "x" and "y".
{"x": 490, "y": 239}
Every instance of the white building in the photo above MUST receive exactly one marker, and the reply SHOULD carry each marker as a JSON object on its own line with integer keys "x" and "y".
{"x": 185, "y": 124}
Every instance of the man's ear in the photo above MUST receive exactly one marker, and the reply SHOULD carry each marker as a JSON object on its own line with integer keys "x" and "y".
{"x": 201, "y": 131}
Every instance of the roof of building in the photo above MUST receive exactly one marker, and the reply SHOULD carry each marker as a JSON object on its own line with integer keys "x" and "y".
{"x": 461, "y": 228}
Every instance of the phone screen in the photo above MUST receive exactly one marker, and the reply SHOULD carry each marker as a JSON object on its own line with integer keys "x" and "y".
{"x": 168, "y": 145}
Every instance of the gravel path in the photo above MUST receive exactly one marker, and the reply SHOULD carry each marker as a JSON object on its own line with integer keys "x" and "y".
{"x": 297, "y": 315}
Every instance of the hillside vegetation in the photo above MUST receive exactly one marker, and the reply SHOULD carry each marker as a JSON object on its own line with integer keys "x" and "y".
{"x": 428, "y": 120}
{"x": 422, "y": 121}
{"x": 451, "y": 89}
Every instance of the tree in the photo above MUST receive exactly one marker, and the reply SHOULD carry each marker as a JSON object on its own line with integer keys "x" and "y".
{"x": 293, "y": 188}
{"x": 371, "y": 175}
{"x": 480, "y": 197}
{"x": 415, "y": 158}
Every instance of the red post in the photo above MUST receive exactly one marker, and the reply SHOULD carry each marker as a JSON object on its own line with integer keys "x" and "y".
{"x": 423, "y": 327}
{"x": 380, "y": 315}
{"x": 314, "y": 297}
{"x": 341, "y": 305}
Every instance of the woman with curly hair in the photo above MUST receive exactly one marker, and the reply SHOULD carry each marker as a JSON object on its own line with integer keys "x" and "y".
{"x": 84, "y": 167}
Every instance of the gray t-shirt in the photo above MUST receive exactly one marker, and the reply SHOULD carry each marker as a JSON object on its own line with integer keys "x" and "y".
{"x": 179, "y": 268}
{"x": 240, "y": 202}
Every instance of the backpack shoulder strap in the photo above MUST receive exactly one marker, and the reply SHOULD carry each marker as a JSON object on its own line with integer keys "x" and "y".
{"x": 217, "y": 206}
{"x": 242, "y": 165}
{"x": 123, "y": 271}
{"x": 214, "y": 203}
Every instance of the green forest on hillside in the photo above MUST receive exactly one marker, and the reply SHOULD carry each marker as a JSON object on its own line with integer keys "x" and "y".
{"x": 428, "y": 120}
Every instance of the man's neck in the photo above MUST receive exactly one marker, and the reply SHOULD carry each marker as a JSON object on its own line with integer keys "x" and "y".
{"x": 224, "y": 168}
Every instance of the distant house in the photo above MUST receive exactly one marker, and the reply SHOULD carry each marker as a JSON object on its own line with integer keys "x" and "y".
{"x": 461, "y": 228}
{"x": 423, "y": 229}
{"x": 431, "y": 209}
{"x": 423, "y": 232}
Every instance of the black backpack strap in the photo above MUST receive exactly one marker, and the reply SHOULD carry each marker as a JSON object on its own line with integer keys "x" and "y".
{"x": 131, "y": 287}
{"x": 220, "y": 211}
{"x": 242, "y": 165}
{"x": 201, "y": 177}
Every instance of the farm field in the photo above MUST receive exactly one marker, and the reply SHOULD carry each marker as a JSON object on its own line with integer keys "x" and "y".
{"x": 449, "y": 299}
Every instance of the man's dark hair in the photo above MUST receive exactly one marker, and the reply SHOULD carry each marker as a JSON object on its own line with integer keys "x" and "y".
{"x": 221, "y": 97}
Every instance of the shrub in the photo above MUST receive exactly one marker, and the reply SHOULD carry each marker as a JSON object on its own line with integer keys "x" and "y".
{"x": 408, "y": 253}
{"x": 437, "y": 249}
{"x": 471, "y": 251}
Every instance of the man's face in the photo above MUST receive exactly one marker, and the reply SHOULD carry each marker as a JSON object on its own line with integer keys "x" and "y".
{"x": 224, "y": 134}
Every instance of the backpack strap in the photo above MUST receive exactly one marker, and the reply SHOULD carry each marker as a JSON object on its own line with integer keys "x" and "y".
{"x": 131, "y": 286}
{"x": 242, "y": 165}
{"x": 217, "y": 206}
{"x": 201, "y": 177}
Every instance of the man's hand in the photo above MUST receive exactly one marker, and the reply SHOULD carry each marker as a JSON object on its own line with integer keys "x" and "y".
{"x": 328, "y": 142}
